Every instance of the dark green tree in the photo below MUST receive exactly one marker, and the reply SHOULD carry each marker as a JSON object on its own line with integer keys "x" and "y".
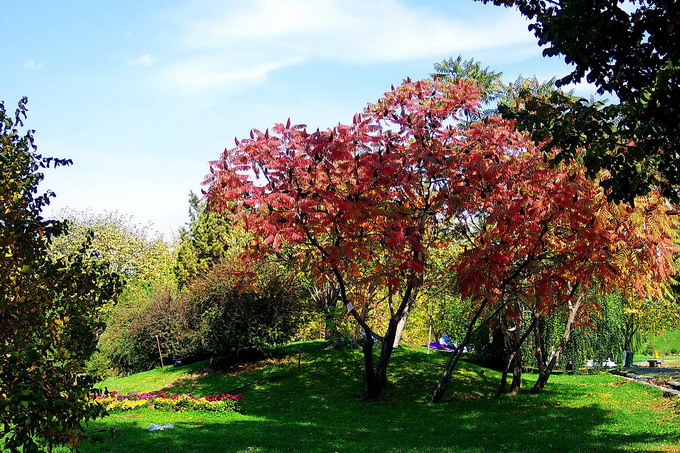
{"x": 630, "y": 51}
{"x": 48, "y": 307}
{"x": 203, "y": 243}
{"x": 228, "y": 314}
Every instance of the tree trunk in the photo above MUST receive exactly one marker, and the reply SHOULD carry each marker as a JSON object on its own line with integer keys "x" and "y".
{"x": 380, "y": 374}
{"x": 446, "y": 375}
{"x": 358, "y": 329}
{"x": 376, "y": 377}
{"x": 373, "y": 388}
{"x": 458, "y": 352}
{"x": 455, "y": 357}
{"x": 400, "y": 326}
{"x": 538, "y": 352}
{"x": 516, "y": 373}
{"x": 508, "y": 352}
{"x": 630, "y": 330}
{"x": 515, "y": 341}
{"x": 517, "y": 362}
{"x": 498, "y": 355}
{"x": 550, "y": 366}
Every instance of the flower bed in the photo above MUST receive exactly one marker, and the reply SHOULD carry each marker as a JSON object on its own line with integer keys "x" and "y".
{"x": 221, "y": 402}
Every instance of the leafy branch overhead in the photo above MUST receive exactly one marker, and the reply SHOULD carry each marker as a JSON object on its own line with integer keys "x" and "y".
{"x": 632, "y": 53}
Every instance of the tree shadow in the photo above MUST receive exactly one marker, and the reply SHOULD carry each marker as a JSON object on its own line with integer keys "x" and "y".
{"x": 320, "y": 408}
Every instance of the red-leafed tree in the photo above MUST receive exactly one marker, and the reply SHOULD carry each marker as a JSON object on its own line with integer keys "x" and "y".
{"x": 546, "y": 235}
{"x": 364, "y": 202}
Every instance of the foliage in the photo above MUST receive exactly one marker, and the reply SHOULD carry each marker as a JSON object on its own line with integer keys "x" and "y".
{"x": 145, "y": 262}
{"x": 363, "y": 203}
{"x": 544, "y": 241}
{"x": 440, "y": 309}
{"x": 603, "y": 336}
{"x": 524, "y": 286}
{"x": 203, "y": 243}
{"x": 652, "y": 316}
{"x": 437, "y": 314}
{"x": 214, "y": 316}
{"x": 543, "y": 235}
{"x": 217, "y": 316}
{"x": 471, "y": 71}
{"x": 632, "y": 53}
{"x": 48, "y": 306}
{"x": 133, "y": 251}
{"x": 189, "y": 323}
{"x": 128, "y": 343}
{"x": 667, "y": 343}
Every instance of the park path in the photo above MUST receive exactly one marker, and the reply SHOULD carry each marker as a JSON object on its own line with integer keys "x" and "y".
{"x": 650, "y": 375}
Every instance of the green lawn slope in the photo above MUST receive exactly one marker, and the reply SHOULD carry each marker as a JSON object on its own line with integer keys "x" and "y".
{"x": 319, "y": 407}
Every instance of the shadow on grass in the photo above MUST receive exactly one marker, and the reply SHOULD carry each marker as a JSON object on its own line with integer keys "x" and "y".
{"x": 320, "y": 408}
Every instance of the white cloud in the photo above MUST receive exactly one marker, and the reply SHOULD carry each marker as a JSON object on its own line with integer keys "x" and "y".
{"x": 353, "y": 31}
{"x": 32, "y": 65}
{"x": 226, "y": 74}
{"x": 273, "y": 34}
{"x": 144, "y": 60}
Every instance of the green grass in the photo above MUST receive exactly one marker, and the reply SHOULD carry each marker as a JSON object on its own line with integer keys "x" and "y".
{"x": 320, "y": 408}
{"x": 665, "y": 342}
{"x": 669, "y": 340}
{"x": 150, "y": 381}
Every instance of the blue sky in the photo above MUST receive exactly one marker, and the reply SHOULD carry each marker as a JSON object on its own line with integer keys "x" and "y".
{"x": 141, "y": 95}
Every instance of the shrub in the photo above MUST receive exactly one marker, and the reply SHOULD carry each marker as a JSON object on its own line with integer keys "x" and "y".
{"x": 129, "y": 342}
{"x": 239, "y": 316}
{"x": 220, "y": 314}
{"x": 49, "y": 305}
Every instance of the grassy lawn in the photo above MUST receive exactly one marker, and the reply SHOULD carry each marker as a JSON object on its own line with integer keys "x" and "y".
{"x": 668, "y": 340}
{"x": 668, "y": 361}
{"x": 150, "y": 381}
{"x": 320, "y": 408}
{"x": 663, "y": 343}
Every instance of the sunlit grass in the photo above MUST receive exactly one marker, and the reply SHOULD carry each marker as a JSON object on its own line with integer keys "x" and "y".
{"x": 149, "y": 381}
{"x": 320, "y": 408}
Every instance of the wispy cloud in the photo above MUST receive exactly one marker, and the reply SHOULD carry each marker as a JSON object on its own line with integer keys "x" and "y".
{"x": 273, "y": 34}
{"x": 353, "y": 31}
{"x": 32, "y": 65}
{"x": 144, "y": 60}
{"x": 232, "y": 73}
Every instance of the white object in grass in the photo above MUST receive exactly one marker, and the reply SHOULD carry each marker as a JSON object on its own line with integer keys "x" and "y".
{"x": 155, "y": 427}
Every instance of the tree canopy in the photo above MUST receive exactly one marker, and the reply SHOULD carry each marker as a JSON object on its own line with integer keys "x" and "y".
{"x": 630, "y": 50}
{"x": 364, "y": 202}
{"x": 48, "y": 307}
{"x": 133, "y": 251}
{"x": 203, "y": 243}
